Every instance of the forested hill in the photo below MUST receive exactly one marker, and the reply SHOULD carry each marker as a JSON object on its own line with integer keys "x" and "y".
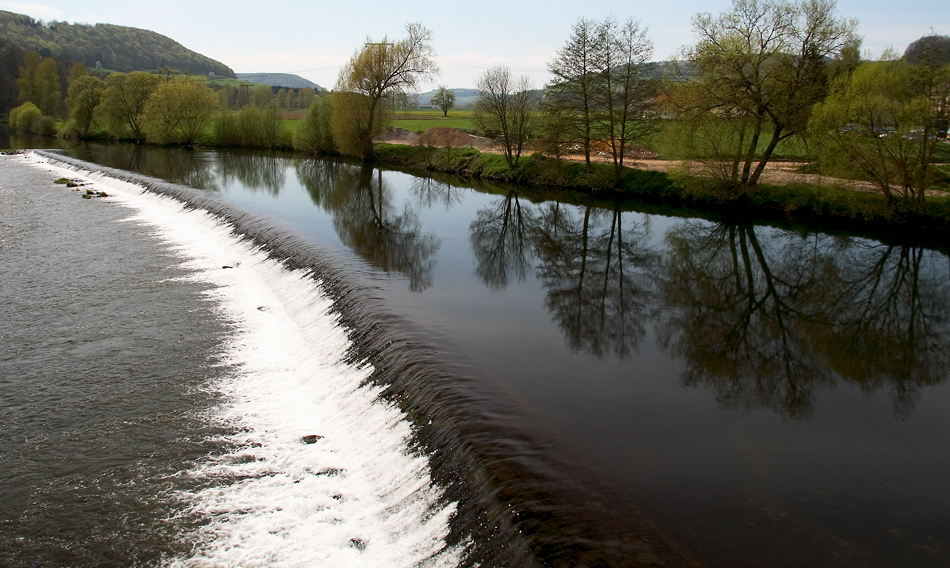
{"x": 117, "y": 48}
{"x": 280, "y": 80}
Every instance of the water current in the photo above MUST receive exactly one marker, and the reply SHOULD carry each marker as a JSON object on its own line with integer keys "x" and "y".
{"x": 267, "y": 359}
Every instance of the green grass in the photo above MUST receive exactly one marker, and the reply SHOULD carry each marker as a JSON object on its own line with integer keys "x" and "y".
{"x": 419, "y": 120}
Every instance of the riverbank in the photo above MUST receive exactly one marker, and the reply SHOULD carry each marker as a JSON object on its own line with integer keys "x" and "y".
{"x": 827, "y": 206}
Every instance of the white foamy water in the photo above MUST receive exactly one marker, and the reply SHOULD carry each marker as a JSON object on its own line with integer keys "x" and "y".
{"x": 355, "y": 497}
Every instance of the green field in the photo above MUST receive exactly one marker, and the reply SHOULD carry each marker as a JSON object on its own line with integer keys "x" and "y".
{"x": 421, "y": 120}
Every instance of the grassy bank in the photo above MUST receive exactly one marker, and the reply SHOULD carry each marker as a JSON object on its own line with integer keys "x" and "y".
{"x": 802, "y": 206}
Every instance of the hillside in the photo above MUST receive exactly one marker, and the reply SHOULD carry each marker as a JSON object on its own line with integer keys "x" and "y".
{"x": 463, "y": 97}
{"x": 280, "y": 80}
{"x": 117, "y": 48}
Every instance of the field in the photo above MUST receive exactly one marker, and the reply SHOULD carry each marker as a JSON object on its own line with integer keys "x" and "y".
{"x": 418, "y": 120}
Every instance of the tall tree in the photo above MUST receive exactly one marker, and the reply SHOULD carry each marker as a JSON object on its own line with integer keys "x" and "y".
{"x": 383, "y": 68}
{"x": 626, "y": 86}
{"x": 575, "y": 79}
{"x": 444, "y": 99}
{"x": 504, "y": 107}
{"x": 84, "y": 95}
{"x": 761, "y": 67}
{"x": 39, "y": 83}
{"x": 123, "y": 101}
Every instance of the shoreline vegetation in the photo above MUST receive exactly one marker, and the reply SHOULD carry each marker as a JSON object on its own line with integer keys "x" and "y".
{"x": 833, "y": 206}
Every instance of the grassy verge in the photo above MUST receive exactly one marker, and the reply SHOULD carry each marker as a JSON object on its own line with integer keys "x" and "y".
{"x": 799, "y": 206}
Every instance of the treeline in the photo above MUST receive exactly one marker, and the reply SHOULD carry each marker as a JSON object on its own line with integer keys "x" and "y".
{"x": 164, "y": 108}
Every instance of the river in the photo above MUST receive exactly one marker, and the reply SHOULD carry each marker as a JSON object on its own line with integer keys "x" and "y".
{"x": 590, "y": 382}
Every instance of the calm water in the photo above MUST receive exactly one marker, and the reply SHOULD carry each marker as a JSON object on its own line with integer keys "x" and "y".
{"x": 621, "y": 386}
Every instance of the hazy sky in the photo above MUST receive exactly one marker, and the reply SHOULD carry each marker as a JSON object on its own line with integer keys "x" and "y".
{"x": 314, "y": 39}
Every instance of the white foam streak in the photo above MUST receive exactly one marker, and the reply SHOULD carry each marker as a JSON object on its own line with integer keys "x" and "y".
{"x": 356, "y": 497}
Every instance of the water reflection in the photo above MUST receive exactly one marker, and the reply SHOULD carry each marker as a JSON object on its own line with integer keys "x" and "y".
{"x": 430, "y": 193}
{"x": 594, "y": 270}
{"x": 761, "y": 317}
{"x": 253, "y": 170}
{"x": 501, "y": 240}
{"x": 367, "y": 221}
{"x": 770, "y": 323}
{"x": 178, "y": 165}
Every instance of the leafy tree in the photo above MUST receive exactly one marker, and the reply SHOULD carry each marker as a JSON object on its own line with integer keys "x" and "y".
{"x": 123, "y": 101}
{"x": 761, "y": 67}
{"x": 39, "y": 83}
{"x": 77, "y": 70}
{"x": 880, "y": 123}
{"x": 85, "y": 93}
{"x": 932, "y": 50}
{"x": 381, "y": 69}
{"x": 262, "y": 95}
{"x": 504, "y": 108}
{"x": 305, "y": 98}
{"x": 315, "y": 133}
{"x": 444, "y": 99}
{"x": 25, "y": 117}
{"x": 178, "y": 111}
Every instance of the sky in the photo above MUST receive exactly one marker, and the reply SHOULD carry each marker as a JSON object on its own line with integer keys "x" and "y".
{"x": 315, "y": 39}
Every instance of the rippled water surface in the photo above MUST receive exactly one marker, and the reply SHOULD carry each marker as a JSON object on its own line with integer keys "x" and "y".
{"x": 617, "y": 385}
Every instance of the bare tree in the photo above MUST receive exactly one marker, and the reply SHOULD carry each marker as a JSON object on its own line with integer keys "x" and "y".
{"x": 575, "y": 80}
{"x": 626, "y": 86}
{"x": 504, "y": 108}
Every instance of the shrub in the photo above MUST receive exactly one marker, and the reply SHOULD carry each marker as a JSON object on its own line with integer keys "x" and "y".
{"x": 24, "y": 118}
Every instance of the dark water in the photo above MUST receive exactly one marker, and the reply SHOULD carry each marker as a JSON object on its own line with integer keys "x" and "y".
{"x": 99, "y": 409}
{"x": 634, "y": 388}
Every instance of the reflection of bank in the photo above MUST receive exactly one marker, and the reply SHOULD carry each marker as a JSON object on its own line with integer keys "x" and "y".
{"x": 769, "y": 322}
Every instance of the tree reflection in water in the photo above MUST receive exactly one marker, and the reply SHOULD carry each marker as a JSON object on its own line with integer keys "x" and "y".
{"x": 430, "y": 192}
{"x": 178, "y": 165}
{"x": 596, "y": 274}
{"x": 254, "y": 170}
{"x": 500, "y": 237}
{"x": 593, "y": 269}
{"x": 770, "y": 324}
{"x": 366, "y": 220}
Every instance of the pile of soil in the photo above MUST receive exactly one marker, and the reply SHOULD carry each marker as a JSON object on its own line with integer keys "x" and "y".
{"x": 398, "y": 135}
{"x": 442, "y": 136}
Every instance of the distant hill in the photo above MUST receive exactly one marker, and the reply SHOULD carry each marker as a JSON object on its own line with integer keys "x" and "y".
{"x": 280, "y": 80}
{"x": 463, "y": 97}
{"x": 118, "y": 48}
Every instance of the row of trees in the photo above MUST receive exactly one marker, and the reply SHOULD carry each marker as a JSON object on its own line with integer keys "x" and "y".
{"x": 761, "y": 73}
{"x": 163, "y": 108}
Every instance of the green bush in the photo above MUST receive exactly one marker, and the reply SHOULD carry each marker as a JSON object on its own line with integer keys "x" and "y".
{"x": 45, "y": 126}
{"x": 25, "y": 117}
{"x": 251, "y": 127}
{"x": 315, "y": 134}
